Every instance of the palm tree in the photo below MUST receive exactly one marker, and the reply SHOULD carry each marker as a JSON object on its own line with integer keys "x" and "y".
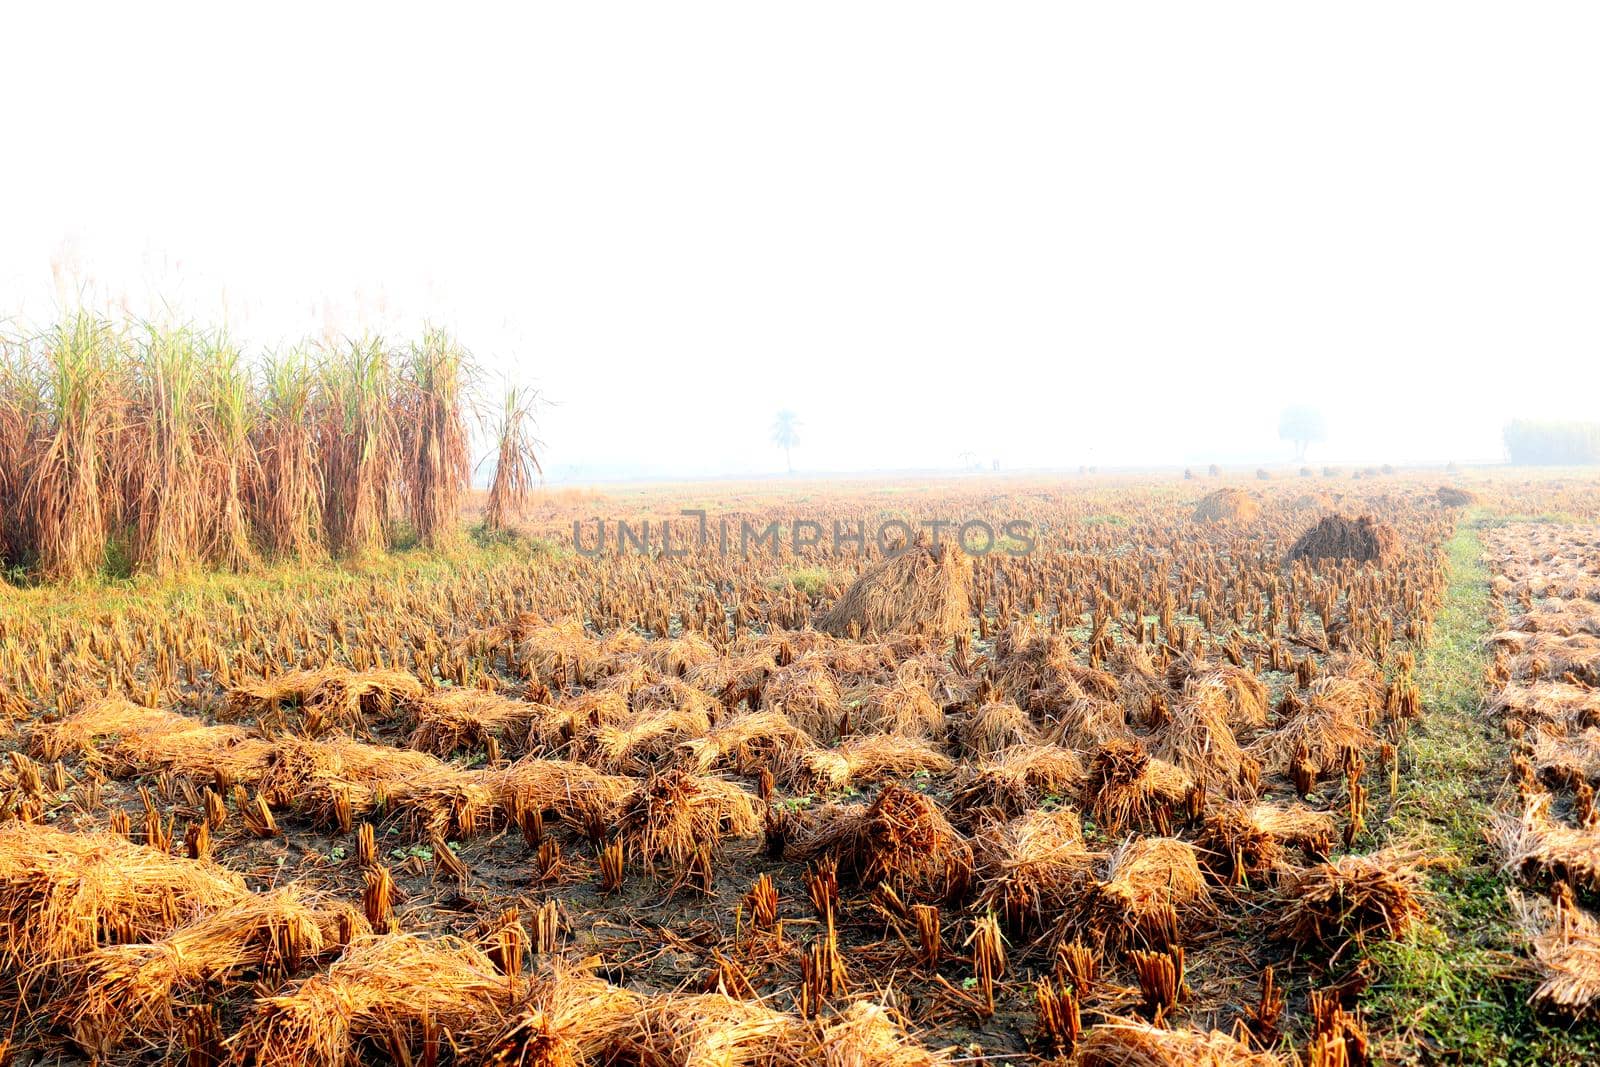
{"x": 786, "y": 434}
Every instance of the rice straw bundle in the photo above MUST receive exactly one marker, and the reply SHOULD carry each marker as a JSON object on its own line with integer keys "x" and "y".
{"x": 1350, "y": 897}
{"x": 901, "y": 839}
{"x": 995, "y": 726}
{"x": 1132, "y": 1043}
{"x": 749, "y": 743}
{"x": 669, "y": 816}
{"x": 567, "y": 789}
{"x": 1017, "y": 779}
{"x": 569, "y": 1017}
{"x": 921, "y": 590}
{"x": 1126, "y": 787}
{"x": 639, "y": 743}
{"x": 463, "y": 719}
{"x": 714, "y": 1029}
{"x": 1565, "y": 940}
{"x": 1031, "y": 866}
{"x": 322, "y": 779}
{"x": 1151, "y": 888}
{"x": 329, "y": 697}
{"x": 675, "y": 657}
{"x": 807, "y": 694}
{"x": 864, "y": 758}
{"x": 61, "y": 894}
{"x": 1538, "y": 846}
{"x": 1197, "y": 739}
{"x": 867, "y": 1034}
{"x": 127, "y": 991}
{"x": 904, "y": 706}
{"x": 559, "y": 655}
{"x": 149, "y": 739}
{"x": 392, "y": 988}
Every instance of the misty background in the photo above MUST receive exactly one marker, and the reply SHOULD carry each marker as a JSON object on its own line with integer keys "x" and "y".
{"x": 940, "y": 234}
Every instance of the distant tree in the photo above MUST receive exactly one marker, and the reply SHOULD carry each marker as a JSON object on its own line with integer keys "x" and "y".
{"x": 1302, "y": 424}
{"x": 1531, "y": 442}
{"x": 786, "y": 434}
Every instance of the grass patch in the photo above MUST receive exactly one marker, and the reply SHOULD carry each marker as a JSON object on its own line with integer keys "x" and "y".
{"x": 811, "y": 581}
{"x": 1457, "y": 993}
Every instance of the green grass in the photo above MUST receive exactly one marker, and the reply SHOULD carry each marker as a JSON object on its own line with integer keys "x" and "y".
{"x": 109, "y": 594}
{"x": 1456, "y": 993}
{"x": 811, "y": 581}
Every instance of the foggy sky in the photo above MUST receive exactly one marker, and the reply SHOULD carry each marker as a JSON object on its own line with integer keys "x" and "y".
{"x": 1042, "y": 234}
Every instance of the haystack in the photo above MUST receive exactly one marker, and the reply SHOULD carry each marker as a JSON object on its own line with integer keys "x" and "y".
{"x": 921, "y": 590}
{"x": 1363, "y": 540}
{"x": 901, "y": 838}
{"x": 1455, "y": 497}
{"x": 1227, "y": 505}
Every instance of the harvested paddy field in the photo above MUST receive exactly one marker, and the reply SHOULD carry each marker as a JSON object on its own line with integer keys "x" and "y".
{"x": 1125, "y": 795}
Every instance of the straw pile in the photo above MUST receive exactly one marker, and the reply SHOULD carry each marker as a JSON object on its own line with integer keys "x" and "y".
{"x": 1152, "y": 887}
{"x": 863, "y": 759}
{"x": 808, "y": 695}
{"x": 748, "y": 744}
{"x": 1227, "y": 505}
{"x": 669, "y": 816}
{"x": 1018, "y": 779}
{"x": 570, "y": 1017}
{"x": 61, "y": 894}
{"x": 1353, "y": 896}
{"x": 1364, "y": 540}
{"x": 1132, "y": 1043}
{"x": 1031, "y": 866}
{"x": 145, "y": 739}
{"x": 901, "y": 838}
{"x": 1126, "y": 787}
{"x": 465, "y": 719}
{"x": 922, "y": 590}
{"x": 128, "y": 991}
{"x": 1565, "y": 940}
{"x": 329, "y": 697}
{"x": 402, "y": 991}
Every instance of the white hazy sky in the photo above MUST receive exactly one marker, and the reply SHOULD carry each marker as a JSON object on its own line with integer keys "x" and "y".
{"x": 1043, "y": 233}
